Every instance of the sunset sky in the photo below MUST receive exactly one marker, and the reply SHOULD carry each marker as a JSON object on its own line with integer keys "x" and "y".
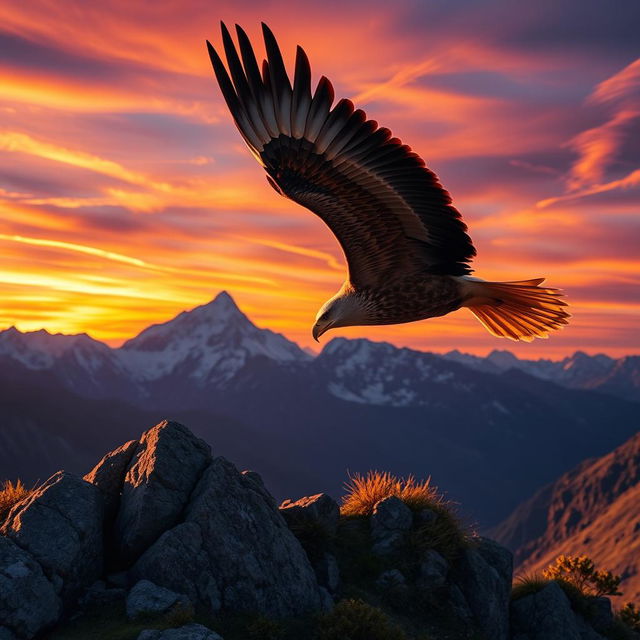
{"x": 128, "y": 196}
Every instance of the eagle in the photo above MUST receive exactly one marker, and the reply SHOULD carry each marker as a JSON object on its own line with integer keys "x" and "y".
{"x": 407, "y": 249}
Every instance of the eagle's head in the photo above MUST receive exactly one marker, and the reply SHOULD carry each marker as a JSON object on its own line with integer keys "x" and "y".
{"x": 345, "y": 309}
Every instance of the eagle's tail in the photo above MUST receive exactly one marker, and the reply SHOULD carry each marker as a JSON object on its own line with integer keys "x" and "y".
{"x": 516, "y": 310}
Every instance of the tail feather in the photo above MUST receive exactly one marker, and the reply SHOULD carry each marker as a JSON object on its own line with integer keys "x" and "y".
{"x": 520, "y": 310}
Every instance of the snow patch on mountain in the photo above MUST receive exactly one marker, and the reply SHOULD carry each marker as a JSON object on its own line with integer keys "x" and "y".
{"x": 210, "y": 343}
{"x": 379, "y": 373}
{"x": 40, "y": 349}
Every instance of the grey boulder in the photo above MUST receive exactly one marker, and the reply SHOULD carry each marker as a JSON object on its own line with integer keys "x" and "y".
{"x": 99, "y": 594}
{"x": 233, "y": 551}
{"x": 545, "y": 615}
{"x": 484, "y": 575}
{"x": 188, "y": 632}
{"x": 148, "y": 599}
{"x": 319, "y": 510}
{"x": 60, "y": 525}
{"x": 390, "y": 520}
{"x": 28, "y": 601}
{"x": 390, "y": 580}
{"x": 108, "y": 476}
{"x": 163, "y": 471}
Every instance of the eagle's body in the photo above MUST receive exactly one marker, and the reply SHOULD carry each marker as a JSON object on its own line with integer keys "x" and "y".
{"x": 406, "y": 299}
{"x": 407, "y": 247}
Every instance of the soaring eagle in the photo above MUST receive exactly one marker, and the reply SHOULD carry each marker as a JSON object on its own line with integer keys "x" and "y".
{"x": 406, "y": 246}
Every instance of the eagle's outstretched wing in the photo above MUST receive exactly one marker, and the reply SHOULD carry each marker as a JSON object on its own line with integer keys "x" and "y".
{"x": 389, "y": 212}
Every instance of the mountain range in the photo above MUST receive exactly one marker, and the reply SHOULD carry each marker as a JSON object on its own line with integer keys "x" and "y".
{"x": 492, "y": 430}
{"x": 592, "y": 509}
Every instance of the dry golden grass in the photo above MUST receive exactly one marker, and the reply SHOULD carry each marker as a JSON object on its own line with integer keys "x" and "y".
{"x": 363, "y": 492}
{"x": 528, "y": 584}
{"x": 11, "y": 493}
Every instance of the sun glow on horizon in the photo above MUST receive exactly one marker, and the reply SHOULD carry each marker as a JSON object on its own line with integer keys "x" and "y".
{"x": 127, "y": 195}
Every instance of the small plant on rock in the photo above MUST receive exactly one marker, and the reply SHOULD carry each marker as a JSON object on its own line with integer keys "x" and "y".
{"x": 10, "y": 494}
{"x": 630, "y": 616}
{"x": 580, "y": 572}
{"x": 363, "y": 492}
{"x": 357, "y": 620}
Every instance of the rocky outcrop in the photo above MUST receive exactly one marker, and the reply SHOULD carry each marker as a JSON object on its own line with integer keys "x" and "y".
{"x": 390, "y": 520}
{"x": 108, "y": 476}
{"x": 163, "y": 471}
{"x": 60, "y": 526}
{"x": 320, "y": 511}
{"x": 233, "y": 551}
{"x": 484, "y": 575}
{"x": 546, "y": 615}
{"x": 147, "y": 599}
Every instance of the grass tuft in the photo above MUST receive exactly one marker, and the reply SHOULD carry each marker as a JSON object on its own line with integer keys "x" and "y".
{"x": 446, "y": 534}
{"x": 363, "y": 492}
{"x": 528, "y": 584}
{"x": 10, "y": 494}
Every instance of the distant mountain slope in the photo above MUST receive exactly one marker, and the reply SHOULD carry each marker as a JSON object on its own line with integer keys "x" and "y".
{"x": 619, "y": 377}
{"x": 593, "y": 509}
{"x": 306, "y": 420}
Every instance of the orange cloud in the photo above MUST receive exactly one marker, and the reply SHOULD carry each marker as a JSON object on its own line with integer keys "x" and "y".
{"x": 127, "y": 195}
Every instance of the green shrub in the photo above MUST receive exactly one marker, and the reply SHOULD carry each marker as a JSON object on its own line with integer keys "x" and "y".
{"x": 10, "y": 494}
{"x": 580, "y": 571}
{"x": 363, "y": 492}
{"x": 357, "y": 620}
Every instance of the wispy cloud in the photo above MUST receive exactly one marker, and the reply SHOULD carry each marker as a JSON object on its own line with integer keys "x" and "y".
{"x": 598, "y": 147}
{"x": 127, "y": 194}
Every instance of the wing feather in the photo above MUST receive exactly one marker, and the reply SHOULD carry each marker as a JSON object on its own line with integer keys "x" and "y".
{"x": 386, "y": 208}
{"x": 301, "y": 97}
{"x": 280, "y": 85}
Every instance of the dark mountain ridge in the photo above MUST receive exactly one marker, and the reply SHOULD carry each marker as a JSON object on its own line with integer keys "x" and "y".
{"x": 305, "y": 421}
{"x": 592, "y": 509}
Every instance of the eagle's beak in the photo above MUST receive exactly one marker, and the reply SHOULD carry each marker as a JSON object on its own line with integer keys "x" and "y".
{"x": 318, "y": 330}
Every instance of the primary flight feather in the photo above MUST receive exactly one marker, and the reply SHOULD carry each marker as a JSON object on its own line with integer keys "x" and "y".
{"x": 407, "y": 248}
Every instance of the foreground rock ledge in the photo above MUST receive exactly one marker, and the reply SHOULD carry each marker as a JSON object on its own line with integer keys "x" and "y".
{"x": 170, "y": 513}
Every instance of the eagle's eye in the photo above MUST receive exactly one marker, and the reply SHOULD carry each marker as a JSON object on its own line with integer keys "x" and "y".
{"x": 324, "y": 316}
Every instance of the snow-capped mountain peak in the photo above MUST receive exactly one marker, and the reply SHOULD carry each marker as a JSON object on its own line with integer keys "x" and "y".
{"x": 209, "y": 343}
{"x": 40, "y": 349}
